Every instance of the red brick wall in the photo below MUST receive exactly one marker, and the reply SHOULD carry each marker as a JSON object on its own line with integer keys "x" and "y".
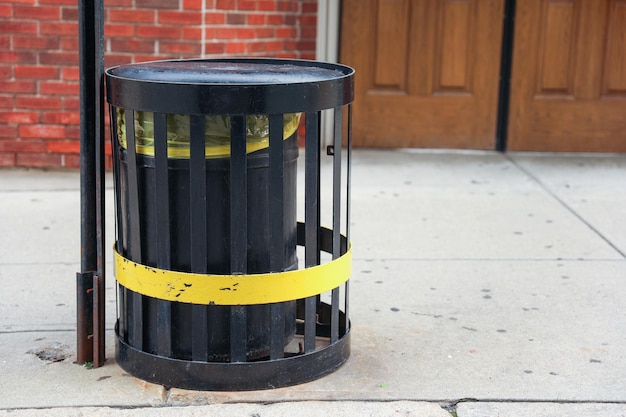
{"x": 39, "y": 79}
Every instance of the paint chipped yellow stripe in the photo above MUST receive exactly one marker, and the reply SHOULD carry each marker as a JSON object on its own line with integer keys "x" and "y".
{"x": 249, "y": 289}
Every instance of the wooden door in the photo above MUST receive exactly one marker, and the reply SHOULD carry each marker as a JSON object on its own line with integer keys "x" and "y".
{"x": 568, "y": 83}
{"x": 427, "y": 71}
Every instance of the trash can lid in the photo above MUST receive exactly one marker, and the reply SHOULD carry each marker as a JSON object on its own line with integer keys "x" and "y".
{"x": 230, "y": 86}
{"x": 259, "y": 72}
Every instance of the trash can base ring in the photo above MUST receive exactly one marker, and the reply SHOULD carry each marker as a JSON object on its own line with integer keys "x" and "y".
{"x": 237, "y": 376}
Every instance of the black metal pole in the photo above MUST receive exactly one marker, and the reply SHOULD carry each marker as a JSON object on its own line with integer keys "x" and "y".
{"x": 90, "y": 322}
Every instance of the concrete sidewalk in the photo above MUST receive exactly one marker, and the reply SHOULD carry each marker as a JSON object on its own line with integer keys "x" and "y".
{"x": 484, "y": 284}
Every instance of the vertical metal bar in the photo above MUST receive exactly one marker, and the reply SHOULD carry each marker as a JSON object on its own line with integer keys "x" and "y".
{"x": 98, "y": 341}
{"x": 277, "y": 228}
{"x": 84, "y": 316}
{"x": 506, "y": 63}
{"x": 99, "y": 314}
{"x": 161, "y": 186}
{"x": 198, "y": 227}
{"x": 238, "y": 231}
{"x": 348, "y": 213}
{"x": 135, "y": 325}
{"x": 311, "y": 219}
{"x": 337, "y": 138}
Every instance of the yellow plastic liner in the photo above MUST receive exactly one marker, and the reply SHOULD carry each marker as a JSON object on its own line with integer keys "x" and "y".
{"x": 249, "y": 289}
{"x": 217, "y": 133}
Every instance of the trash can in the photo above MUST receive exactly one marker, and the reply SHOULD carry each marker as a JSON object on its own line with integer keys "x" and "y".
{"x": 210, "y": 291}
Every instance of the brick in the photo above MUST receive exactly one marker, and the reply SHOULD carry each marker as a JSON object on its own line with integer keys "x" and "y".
{"x": 214, "y": 18}
{"x": 184, "y": 48}
{"x": 5, "y": 41}
{"x": 40, "y": 160}
{"x": 119, "y": 30}
{"x": 159, "y": 32}
{"x": 268, "y": 5}
{"x": 72, "y": 132}
{"x": 59, "y": 58}
{"x": 275, "y": 19}
{"x": 179, "y": 18}
{"x": 58, "y": 28}
{"x": 119, "y": 3}
{"x": 6, "y": 71}
{"x": 214, "y": 48}
{"x": 42, "y": 131}
{"x": 193, "y": 5}
{"x": 157, "y": 4}
{"x": 256, "y": 47}
{"x": 62, "y": 118}
{"x": 235, "y": 19}
{"x": 33, "y": 42}
{"x": 265, "y": 32}
{"x": 59, "y": 2}
{"x": 70, "y": 74}
{"x": 38, "y": 13}
{"x": 235, "y": 47}
{"x": 18, "y": 27}
{"x": 246, "y": 33}
{"x": 18, "y": 87}
{"x": 132, "y": 16}
{"x": 256, "y": 19}
{"x": 58, "y": 88}
{"x": 225, "y": 33}
{"x": 70, "y": 13}
{"x": 18, "y": 57}
{"x": 69, "y": 43}
{"x": 8, "y": 131}
{"x": 246, "y": 5}
{"x": 307, "y": 20}
{"x": 36, "y": 71}
{"x": 7, "y": 102}
{"x": 153, "y": 57}
{"x": 39, "y": 103}
{"x": 128, "y": 45}
{"x": 71, "y": 104}
{"x": 113, "y": 59}
{"x": 22, "y": 146}
{"x": 286, "y": 32}
{"x": 309, "y": 7}
{"x": 18, "y": 117}
{"x": 65, "y": 147}
{"x": 7, "y": 159}
{"x": 225, "y": 4}
{"x": 308, "y": 32}
{"x": 6, "y": 10}
{"x": 192, "y": 33}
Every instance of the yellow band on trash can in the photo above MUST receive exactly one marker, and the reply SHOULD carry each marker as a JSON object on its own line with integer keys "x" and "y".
{"x": 205, "y": 289}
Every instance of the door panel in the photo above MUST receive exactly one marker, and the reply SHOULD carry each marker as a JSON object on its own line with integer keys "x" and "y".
{"x": 568, "y": 84}
{"x": 427, "y": 71}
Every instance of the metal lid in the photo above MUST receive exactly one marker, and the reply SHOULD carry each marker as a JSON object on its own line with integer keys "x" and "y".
{"x": 230, "y": 86}
{"x": 261, "y": 72}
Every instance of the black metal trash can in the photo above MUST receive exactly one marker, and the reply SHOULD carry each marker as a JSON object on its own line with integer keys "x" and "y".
{"x": 205, "y": 167}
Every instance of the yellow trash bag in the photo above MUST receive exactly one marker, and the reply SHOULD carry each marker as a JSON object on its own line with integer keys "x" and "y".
{"x": 217, "y": 133}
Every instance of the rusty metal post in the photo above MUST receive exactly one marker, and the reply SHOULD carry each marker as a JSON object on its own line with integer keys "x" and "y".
{"x": 90, "y": 310}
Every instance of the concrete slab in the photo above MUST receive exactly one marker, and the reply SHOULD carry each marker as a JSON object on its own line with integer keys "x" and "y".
{"x": 43, "y": 227}
{"x": 408, "y": 205}
{"x": 42, "y": 297}
{"x": 591, "y": 186}
{"x": 289, "y": 409}
{"x": 29, "y": 382}
{"x": 473, "y": 409}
